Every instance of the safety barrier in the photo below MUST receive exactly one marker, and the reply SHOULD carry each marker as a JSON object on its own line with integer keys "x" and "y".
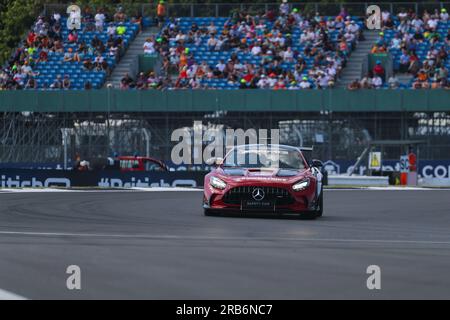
{"x": 23, "y": 178}
{"x": 435, "y": 182}
{"x": 358, "y": 181}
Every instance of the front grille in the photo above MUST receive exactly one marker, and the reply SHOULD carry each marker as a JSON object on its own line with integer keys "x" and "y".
{"x": 279, "y": 196}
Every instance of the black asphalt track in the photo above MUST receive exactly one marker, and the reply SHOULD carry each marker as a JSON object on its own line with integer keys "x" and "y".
{"x": 158, "y": 245}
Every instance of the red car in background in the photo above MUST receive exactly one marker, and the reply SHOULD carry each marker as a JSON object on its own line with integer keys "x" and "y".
{"x": 131, "y": 163}
{"x": 274, "y": 179}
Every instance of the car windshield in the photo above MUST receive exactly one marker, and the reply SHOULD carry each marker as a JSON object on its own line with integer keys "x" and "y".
{"x": 263, "y": 156}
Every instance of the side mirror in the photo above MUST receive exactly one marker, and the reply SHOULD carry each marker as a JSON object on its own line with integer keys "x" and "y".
{"x": 216, "y": 161}
{"x": 317, "y": 163}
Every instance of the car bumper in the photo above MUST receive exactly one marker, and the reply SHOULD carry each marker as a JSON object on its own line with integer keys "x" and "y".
{"x": 256, "y": 212}
{"x": 302, "y": 202}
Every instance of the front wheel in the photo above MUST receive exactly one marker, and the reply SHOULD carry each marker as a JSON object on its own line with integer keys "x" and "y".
{"x": 319, "y": 207}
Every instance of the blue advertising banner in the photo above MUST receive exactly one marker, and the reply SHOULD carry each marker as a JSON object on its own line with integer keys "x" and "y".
{"x": 23, "y": 178}
{"x": 426, "y": 168}
{"x": 45, "y": 175}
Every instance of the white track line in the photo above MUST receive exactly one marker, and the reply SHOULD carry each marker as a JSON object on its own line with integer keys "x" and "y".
{"x": 6, "y": 295}
{"x": 155, "y": 189}
{"x": 386, "y": 189}
{"x": 180, "y": 189}
{"x": 161, "y": 189}
{"x": 212, "y": 238}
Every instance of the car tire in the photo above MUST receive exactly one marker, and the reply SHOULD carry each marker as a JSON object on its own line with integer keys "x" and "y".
{"x": 319, "y": 210}
{"x": 208, "y": 212}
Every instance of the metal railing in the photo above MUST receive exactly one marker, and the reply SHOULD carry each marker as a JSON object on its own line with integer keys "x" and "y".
{"x": 227, "y": 9}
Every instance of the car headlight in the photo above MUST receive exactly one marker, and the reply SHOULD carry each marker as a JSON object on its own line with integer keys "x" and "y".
{"x": 301, "y": 185}
{"x": 217, "y": 183}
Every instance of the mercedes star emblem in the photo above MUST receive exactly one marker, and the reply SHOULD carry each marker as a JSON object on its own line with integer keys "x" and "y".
{"x": 258, "y": 194}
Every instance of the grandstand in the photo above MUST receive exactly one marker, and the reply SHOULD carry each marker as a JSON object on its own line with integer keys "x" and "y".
{"x": 238, "y": 48}
{"x": 418, "y": 37}
{"x": 79, "y": 75}
{"x": 48, "y": 44}
{"x": 274, "y": 48}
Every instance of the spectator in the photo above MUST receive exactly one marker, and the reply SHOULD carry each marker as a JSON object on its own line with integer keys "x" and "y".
{"x": 126, "y": 82}
{"x": 378, "y": 69}
{"x": 422, "y": 76}
{"x": 87, "y": 85}
{"x": 377, "y": 82}
{"x": 220, "y": 67}
{"x": 284, "y": 8}
{"x": 444, "y": 15}
{"x": 100, "y": 20}
{"x": 121, "y": 29}
{"x": 56, "y": 17}
{"x": 141, "y": 81}
{"x": 68, "y": 56}
{"x": 396, "y": 42}
{"x": 120, "y": 16}
{"x": 66, "y": 83}
{"x": 212, "y": 29}
{"x": 305, "y": 84}
{"x": 149, "y": 46}
{"x": 98, "y": 62}
{"x": 31, "y": 83}
{"x": 366, "y": 82}
{"x": 393, "y": 82}
{"x": 442, "y": 72}
{"x": 256, "y": 49}
{"x": 114, "y": 52}
{"x": 88, "y": 65}
{"x": 288, "y": 55}
{"x": 111, "y": 30}
{"x": 404, "y": 61}
{"x": 212, "y": 42}
{"x": 57, "y": 84}
{"x": 414, "y": 64}
{"x": 354, "y": 85}
{"x": 72, "y": 37}
{"x": 43, "y": 56}
{"x": 88, "y": 20}
{"x": 379, "y": 47}
{"x": 161, "y": 13}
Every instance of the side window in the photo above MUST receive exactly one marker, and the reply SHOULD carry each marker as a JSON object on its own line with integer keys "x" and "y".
{"x": 128, "y": 164}
{"x": 152, "y": 166}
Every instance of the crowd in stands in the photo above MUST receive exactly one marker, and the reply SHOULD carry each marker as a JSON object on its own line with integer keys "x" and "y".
{"x": 55, "y": 57}
{"x": 280, "y": 49}
{"x": 277, "y": 50}
{"x": 420, "y": 47}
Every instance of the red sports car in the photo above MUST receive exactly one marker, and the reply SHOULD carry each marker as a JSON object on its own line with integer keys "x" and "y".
{"x": 264, "y": 179}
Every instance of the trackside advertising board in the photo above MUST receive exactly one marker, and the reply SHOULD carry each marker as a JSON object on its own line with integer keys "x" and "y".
{"x": 427, "y": 168}
{"x": 25, "y": 178}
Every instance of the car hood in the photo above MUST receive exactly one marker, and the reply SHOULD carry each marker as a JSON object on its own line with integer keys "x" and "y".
{"x": 260, "y": 174}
